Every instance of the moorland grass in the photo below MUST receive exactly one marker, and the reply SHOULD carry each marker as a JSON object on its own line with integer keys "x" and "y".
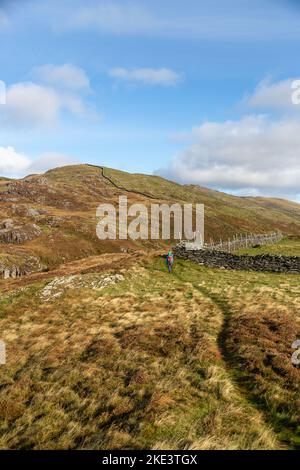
{"x": 145, "y": 363}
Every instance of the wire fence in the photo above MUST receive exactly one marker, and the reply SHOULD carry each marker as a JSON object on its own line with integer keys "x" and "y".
{"x": 239, "y": 242}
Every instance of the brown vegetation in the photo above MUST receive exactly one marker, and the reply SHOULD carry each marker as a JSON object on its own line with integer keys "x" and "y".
{"x": 54, "y": 214}
{"x": 106, "y": 350}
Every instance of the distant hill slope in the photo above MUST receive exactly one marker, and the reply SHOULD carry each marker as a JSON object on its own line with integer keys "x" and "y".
{"x": 52, "y": 217}
{"x": 226, "y": 215}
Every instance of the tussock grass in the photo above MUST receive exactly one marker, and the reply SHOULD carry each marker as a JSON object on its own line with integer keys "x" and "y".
{"x": 261, "y": 321}
{"x": 136, "y": 365}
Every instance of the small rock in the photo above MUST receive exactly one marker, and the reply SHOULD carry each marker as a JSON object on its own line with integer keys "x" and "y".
{"x": 7, "y": 223}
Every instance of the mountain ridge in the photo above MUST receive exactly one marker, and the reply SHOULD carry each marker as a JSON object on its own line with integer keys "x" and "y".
{"x": 50, "y": 218}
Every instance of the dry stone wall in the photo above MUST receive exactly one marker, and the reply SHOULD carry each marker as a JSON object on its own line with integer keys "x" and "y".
{"x": 221, "y": 259}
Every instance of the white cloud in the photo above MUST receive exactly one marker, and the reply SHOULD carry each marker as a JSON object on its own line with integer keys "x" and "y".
{"x": 30, "y": 104}
{"x": 200, "y": 20}
{"x": 14, "y": 164}
{"x": 232, "y": 20}
{"x": 253, "y": 154}
{"x": 4, "y": 21}
{"x": 66, "y": 75}
{"x": 146, "y": 76}
{"x": 110, "y": 17}
{"x": 50, "y": 160}
{"x": 41, "y": 103}
{"x": 33, "y": 105}
{"x": 75, "y": 105}
{"x": 272, "y": 95}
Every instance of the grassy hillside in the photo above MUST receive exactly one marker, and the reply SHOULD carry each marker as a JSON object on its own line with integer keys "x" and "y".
{"x": 225, "y": 214}
{"x": 200, "y": 359}
{"x": 286, "y": 247}
{"x": 106, "y": 350}
{"x": 61, "y": 206}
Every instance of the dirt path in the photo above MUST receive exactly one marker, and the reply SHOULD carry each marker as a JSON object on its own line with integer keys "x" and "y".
{"x": 227, "y": 357}
{"x": 105, "y": 262}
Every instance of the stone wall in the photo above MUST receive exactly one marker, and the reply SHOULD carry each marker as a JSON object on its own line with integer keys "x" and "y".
{"x": 222, "y": 259}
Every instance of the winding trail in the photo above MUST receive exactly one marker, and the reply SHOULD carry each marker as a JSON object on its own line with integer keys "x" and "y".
{"x": 105, "y": 262}
{"x": 227, "y": 357}
{"x": 224, "y": 307}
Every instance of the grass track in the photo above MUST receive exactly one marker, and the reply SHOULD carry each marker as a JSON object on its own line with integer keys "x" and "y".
{"x": 141, "y": 364}
{"x": 287, "y": 426}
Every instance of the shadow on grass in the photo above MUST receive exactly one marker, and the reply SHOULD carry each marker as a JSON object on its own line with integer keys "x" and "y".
{"x": 287, "y": 431}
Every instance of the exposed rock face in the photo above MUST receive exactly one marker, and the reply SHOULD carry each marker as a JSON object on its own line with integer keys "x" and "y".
{"x": 12, "y": 267}
{"x": 12, "y": 272}
{"x": 221, "y": 259}
{"x": 32, "y": 212}
{"x": 25, "y": 210}
{"x": 7, "y": 224}
{"x": 19, "y": 234}
{"x": 59, "y": 285}
{"x": 39, "y": 190}
{"x": 55, "y": 221}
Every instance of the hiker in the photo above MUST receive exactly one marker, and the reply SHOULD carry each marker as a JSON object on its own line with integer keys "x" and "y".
{"x": 170, "y": 261}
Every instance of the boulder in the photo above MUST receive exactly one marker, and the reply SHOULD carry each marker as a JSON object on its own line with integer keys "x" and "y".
{"x": 7, "y": 224}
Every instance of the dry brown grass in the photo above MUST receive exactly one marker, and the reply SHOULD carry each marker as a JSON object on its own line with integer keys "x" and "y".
{"x": 259, "y": 341}
{"x": 197, "y": 360}
{"x": 68, "y": 197}
{"x": 261, "y": 322}
{"x": 137, "y": 365}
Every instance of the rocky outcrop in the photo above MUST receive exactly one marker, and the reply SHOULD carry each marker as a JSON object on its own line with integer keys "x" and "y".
{"x": 6, "y": 224}
{"x": 221, "y": 259}
{"x": 31, "y": 212}
{"x": 18, "y": 234}
{"x": 24, "y": 210}
{"x": 10, "y": 272}
{"x": 39, "y": 190}
{"x": 17, "y": 266}
{"x": 58, "y": 286}
{"x": 55, "y": 220}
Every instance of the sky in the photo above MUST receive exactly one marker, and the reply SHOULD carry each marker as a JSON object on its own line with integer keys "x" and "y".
{"x": 196, "y": 91}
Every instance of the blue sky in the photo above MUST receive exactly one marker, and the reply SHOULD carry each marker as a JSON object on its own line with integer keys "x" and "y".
{"x": 193, "y": 90}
